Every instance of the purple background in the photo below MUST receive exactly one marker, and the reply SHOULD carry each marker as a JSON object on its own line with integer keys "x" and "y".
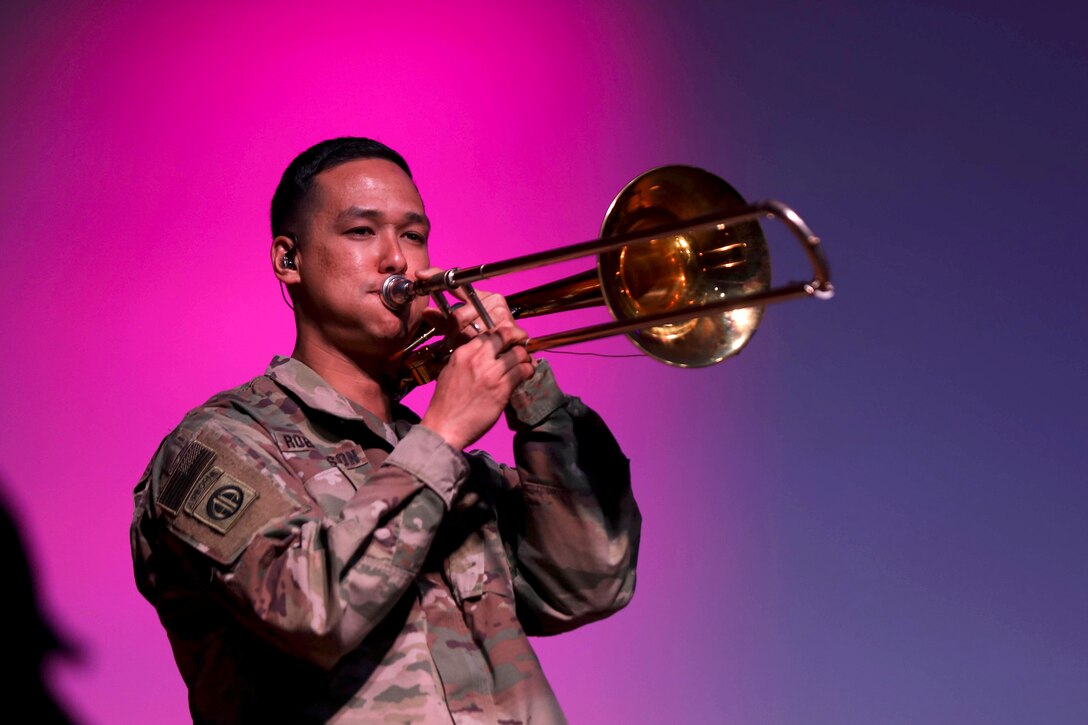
{"x": 876, "y": 514}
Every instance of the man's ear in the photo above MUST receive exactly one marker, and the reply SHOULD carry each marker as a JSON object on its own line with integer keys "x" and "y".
{"x": 285, "y": 262}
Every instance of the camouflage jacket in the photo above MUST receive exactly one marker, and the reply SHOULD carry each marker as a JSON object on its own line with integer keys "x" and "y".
{"x": 311, "y": 563}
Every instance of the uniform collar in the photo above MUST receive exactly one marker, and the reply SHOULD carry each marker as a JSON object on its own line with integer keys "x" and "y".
{"x": 315, "y": 393}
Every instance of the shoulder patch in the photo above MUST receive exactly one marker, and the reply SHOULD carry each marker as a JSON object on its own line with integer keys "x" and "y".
{"x": 218, "y": 498}
{"x": 190, "y": 464}
{"x": 223, "y": 504}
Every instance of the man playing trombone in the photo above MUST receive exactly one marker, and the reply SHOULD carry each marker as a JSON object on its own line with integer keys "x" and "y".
{"x": 316, "y": 552}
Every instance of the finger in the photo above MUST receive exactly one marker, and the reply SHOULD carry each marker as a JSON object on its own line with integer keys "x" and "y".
{"x": 497, "y": 342}
{"x": 473, "y": 325}
{"x": 464, "y": 313}
{"x": 468, "y": 324}
{"x": 475, "y": 355}
{"x": 490, "y": 344}
{"x": 518, "y": 373}
{"x": 429, "y": 272}
{"x": 510, "y": 333}
{"x": 525, "y": 371}
{"x": 472, "y": 328}
{"x": 514, "y": 356}
{"x": 507, "y": 366}
{"x": 497, "y": 307}
{"x": 495, "y": 304}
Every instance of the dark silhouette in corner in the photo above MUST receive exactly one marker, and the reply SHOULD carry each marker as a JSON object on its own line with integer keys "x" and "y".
{"x": 31, "y": 640}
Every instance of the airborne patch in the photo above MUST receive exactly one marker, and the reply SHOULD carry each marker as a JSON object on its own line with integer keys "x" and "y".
{"x": 223, "y": 504}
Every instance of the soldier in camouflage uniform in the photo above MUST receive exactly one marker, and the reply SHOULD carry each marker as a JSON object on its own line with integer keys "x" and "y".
{"x": 317, "y": 553}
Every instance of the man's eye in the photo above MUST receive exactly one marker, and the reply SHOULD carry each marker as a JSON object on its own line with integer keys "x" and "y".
{"x": 360, "y": 231}
{"x": 415, "y": 237}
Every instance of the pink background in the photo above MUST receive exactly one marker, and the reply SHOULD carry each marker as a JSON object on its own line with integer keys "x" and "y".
{"x": 875, "y": 514}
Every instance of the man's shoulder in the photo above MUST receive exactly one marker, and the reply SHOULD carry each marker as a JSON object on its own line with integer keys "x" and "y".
{"x": 218, "y": 476}
{"x": 236, "y": 416}
{"x": 257, "y": 392}
{"x": 247, "y": 403}
{"x": 237, "y": 425}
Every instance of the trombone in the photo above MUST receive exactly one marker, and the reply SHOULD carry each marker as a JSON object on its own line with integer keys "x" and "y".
{"x": 682, "y": 265}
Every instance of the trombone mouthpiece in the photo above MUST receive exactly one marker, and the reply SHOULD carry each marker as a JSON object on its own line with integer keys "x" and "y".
{"x": 397, "y": 291}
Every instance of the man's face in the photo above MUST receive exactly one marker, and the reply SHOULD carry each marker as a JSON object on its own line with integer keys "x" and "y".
{"x": 366, "y": 222}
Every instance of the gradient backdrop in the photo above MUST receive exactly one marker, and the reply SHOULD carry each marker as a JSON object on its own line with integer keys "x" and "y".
{"x": 876, "y": 514}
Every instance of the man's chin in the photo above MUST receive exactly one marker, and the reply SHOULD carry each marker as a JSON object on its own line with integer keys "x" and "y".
{"x": 386, "y": 342}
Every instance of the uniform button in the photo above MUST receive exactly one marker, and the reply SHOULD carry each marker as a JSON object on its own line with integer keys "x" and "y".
{"x": 382, "y": 534}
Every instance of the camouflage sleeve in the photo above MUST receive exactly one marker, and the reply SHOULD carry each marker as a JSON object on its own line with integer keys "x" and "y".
{"x": 570, "y": 521}
{"x": 313, "y": 584}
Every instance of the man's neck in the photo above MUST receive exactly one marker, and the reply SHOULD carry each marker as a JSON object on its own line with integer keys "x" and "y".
{"x": 357, "y": 380}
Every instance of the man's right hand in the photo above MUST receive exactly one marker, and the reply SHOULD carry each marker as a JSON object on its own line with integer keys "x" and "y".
{"x": 475, "y": 386}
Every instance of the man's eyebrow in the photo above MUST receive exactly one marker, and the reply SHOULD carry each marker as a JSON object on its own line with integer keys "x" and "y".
{"x": 359, "y": 212}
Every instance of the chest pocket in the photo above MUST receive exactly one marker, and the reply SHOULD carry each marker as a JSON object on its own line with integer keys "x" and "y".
{"x": 479, "y": 564}
{"x": 465, "y": 569}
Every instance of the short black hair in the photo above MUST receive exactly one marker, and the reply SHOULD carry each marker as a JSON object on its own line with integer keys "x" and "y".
{"x": 298, "y": 177}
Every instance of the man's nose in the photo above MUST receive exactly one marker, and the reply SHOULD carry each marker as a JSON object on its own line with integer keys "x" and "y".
{"x": 392, "y": 259}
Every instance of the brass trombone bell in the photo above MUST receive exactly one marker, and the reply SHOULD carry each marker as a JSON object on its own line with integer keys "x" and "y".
{"x": 672, "y": 272}
{"x": 682, "y": 266}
